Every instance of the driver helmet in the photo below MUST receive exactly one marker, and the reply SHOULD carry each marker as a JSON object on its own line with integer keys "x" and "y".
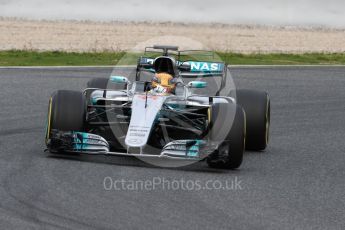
{"x": 164, "y": 80}
{"x": 163, "y": 83}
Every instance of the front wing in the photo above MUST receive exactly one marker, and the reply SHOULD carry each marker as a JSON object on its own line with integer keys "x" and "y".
{"x": 87, "y": 143}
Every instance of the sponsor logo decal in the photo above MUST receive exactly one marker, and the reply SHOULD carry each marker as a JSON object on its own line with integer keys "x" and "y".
{"x": 135, "y": 141}
{"x": 143, "y": 97}
{"x": 195, "y": 66}
{"x": 204, "y": 66}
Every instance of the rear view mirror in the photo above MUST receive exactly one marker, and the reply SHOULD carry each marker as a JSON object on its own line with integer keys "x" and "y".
{"x": 119, "y": 79}
{"x": 197, "y": 84}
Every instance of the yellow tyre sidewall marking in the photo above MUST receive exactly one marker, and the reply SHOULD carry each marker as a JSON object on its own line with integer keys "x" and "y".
{"x": 49, "y": 120}
{"x": 267, "y": 122}
{"x": 209, "y": 115}
{"x": 245, "y": 129}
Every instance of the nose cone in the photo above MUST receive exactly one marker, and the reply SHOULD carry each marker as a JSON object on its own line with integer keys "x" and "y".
{"x": 145, "y": 108}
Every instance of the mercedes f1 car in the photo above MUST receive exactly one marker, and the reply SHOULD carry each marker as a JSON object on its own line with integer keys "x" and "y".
{"x": 161, "y": 118}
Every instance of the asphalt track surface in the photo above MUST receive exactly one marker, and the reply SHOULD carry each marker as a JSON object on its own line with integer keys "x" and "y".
{"x": 298, "y": 183}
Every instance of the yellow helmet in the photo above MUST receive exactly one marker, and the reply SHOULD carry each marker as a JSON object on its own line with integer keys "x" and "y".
{"x": 164, "y": 80}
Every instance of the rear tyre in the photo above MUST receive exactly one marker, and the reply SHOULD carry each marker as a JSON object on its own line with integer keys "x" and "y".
{"x": 228, "y": 127}
{"x": 102, "y": 83}
{"x": 257, "y": 107}
{"x": 98, "y": 83}
{"x": 66, "y": 112}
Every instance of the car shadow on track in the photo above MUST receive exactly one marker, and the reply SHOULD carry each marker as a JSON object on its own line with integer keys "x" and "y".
{"x": 135, "y": 162}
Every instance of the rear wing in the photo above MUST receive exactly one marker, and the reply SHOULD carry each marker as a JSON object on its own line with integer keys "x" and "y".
{"x": 198, "y": 63}
{"x": 201, "y": 62}
{"x": 197, "y": 68}
{"x": 203, "y": 69}
{"x": 206, "y": 70}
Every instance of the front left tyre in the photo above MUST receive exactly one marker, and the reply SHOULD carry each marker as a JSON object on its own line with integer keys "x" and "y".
{"x": 66, "y": 112}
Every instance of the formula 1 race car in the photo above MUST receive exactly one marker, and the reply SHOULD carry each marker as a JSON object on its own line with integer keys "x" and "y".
{"x": 161, "y": 118}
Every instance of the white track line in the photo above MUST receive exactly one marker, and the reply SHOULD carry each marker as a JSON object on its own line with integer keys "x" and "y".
{"x": 61, "y": 67}
{"x": 279, "y": 66}
{"x": 131, "y": 66}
